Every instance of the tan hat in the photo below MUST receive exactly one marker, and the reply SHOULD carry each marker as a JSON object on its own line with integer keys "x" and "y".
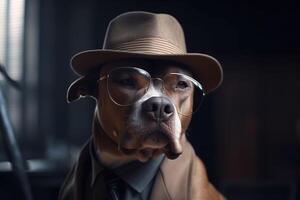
{"x": 149, "y": 35}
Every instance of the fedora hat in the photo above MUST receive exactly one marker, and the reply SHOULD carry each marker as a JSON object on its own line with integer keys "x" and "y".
{"x": 152, "y": 36}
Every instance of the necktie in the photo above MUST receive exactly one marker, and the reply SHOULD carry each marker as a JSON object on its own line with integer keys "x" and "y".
{"x": 114, "y": 185}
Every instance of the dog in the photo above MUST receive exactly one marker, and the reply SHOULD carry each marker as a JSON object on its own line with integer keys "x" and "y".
{"x": 144, "y": 105}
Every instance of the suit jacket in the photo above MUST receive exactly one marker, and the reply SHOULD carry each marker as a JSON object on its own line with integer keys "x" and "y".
{"x": 181, "y": 179}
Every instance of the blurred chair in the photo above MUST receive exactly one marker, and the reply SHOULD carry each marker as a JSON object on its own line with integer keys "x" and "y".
{"x": 21, "y": 179}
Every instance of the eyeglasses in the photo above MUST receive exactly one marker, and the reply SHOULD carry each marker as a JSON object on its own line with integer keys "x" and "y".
{"x": 126, "y": 85}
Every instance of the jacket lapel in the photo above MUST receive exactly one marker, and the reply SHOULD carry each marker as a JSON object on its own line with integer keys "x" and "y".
{"x": 172, "y": 180}
{"x": 159, "y": 190}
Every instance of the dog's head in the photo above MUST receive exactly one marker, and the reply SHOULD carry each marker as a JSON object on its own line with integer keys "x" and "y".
{"x": 137, "y": 107}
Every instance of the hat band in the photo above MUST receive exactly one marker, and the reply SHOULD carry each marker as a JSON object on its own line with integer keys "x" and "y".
{"x": 151, "y": 45}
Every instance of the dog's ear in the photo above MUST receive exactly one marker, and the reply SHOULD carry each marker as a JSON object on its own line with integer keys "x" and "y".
{"x": 82, "y": 87}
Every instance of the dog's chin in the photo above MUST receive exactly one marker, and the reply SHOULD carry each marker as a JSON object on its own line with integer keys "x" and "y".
{"x": 157, "y": 142}
{"x": 144, "y": 152}
{"x": 144, "y": 155}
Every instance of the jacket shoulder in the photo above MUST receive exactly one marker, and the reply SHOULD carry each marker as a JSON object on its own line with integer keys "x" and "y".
{"x": 77, "y": 178}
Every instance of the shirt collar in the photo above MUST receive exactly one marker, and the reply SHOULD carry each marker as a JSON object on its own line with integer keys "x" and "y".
{"x": 136, "y": 174}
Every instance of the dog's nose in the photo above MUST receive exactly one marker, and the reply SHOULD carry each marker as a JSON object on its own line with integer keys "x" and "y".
{"x": 158, "y": 108}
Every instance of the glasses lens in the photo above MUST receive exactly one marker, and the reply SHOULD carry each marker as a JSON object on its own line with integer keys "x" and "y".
{"x": 126, "y": 85}
{"x": 184, "y": 91}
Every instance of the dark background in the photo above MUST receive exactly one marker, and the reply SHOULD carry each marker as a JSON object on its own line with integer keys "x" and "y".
{"x": 247, "y": 132}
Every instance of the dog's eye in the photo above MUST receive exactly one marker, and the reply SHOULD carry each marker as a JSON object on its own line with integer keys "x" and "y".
{"x": 182, "y": 85}
{"x": 127, "y": 82}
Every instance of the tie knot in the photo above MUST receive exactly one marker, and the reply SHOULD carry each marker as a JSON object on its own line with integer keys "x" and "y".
{"x": 110, "y": 176}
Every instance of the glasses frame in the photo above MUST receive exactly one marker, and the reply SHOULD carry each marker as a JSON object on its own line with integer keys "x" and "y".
{"x": 144, "y": 72}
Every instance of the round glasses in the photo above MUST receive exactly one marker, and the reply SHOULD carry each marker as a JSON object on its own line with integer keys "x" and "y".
{"x": 126, "y": 85}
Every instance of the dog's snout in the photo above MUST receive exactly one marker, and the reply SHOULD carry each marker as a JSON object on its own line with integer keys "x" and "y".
{"x": 158, "y": 108}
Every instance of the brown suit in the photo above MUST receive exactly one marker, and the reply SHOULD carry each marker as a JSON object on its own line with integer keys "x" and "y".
{"x": 181, "y": 179}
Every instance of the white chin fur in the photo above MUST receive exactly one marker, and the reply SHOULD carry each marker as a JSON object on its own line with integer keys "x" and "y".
{"x": 177, "y": 125}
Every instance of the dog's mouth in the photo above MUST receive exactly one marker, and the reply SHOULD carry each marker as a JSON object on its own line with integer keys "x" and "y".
{"x": 153, "y": 143}
{"x": 145, "y": 154}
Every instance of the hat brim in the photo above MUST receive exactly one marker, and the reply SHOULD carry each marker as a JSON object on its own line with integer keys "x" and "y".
{"x": 204, "y": 68}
